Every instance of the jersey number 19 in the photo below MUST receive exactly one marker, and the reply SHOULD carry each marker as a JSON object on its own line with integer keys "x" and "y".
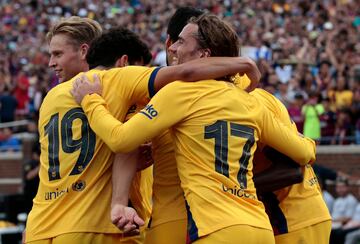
{"x": 86, "y": 143}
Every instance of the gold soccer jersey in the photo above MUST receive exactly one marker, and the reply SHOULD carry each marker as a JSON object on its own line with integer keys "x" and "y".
{"x": 215, "y": 127}
{"x": 299, "y": 205}
{"x": 168, "y": 196}
{"x": 75, "y": 165}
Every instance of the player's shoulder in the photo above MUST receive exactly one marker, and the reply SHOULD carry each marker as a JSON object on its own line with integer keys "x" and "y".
{"x": 131, "y": 69}
{"x": 176, "y": 85}
{"x": 267, "y": 97}
{"x": 57, "y": 90}
{"x": 128, "y": 73}
{"x": 262, "y": 92}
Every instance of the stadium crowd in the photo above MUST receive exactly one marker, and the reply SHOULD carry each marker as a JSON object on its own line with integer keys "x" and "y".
{"x": 308, "y": 52}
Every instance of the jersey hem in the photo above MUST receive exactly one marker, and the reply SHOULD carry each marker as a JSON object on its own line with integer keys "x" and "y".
{"x": 222, "y": 226}
{"x": 306, "y": 224}
{"x": 42, "y": 237}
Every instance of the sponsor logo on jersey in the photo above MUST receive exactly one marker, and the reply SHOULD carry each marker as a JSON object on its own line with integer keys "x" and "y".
{"x": 77, "y": 186}
{"x": 52, "y": 195}
{"x": 149, "y": 111}
{"x": 237, "y": 191}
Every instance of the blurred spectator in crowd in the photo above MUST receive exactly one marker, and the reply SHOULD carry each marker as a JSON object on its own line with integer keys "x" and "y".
{"x": 344, "y": 204}
{"x": 308, "y": 82}
{"x": 40, "y": 90}
{"x": 295, "y": 112}
{"x": 284, "y": 72}
{"x": 283, "y": 93}
{"x": 324, "y": 76}
{"x": 327, "y": 123}
{"x": 355, "y": 110}
{"x": 353, "y": 237}
{"x": 342, "y": 128}
{"x": 338, "y": 235}
{"x": 325, "y": 174}
{"x": 295, "y": 89}
{"x": 312, "y": 111}
{"x": 341, "y": 96}
{"x": 8, "y": 142}
{"x": 31, "y": 176}
{"x": 328, "y": 198}
{"x": 8, "y": 104}
{"x": 21, "y": 93}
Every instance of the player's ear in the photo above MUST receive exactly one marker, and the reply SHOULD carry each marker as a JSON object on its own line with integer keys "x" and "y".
{"x": 122, "y": 61}
{"x": 84, "y": 48}
{"x": 205, "y": 53}
{"x": 168, "y": 42}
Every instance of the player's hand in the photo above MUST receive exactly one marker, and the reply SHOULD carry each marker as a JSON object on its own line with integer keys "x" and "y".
{"x": 254, "y": 75}
{"x": 82, "y": 87}
{"x": 126, "y": 219}
{"x": 145, "y": 157}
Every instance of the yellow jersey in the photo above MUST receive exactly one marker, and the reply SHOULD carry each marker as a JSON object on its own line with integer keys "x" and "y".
{"x": 168, "y": 196}
{"x": 301, "y": 204}
{"x": 75, "y": 190}
{"x": 215, "y": 127}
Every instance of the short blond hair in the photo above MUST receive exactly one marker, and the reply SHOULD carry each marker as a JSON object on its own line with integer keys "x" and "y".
{"x": 79, "y": 30}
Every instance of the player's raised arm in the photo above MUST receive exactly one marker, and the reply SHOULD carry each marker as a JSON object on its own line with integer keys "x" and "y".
{"x": 149, "y": 122}
{"x": 138, "y": 82}
{"x": 207, "y": 68}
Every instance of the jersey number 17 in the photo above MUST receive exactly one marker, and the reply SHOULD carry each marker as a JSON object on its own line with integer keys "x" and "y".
{"x": 219, "y": 132}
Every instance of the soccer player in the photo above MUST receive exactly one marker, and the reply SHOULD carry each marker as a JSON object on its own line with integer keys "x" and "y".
{"x": 215, "y": 127}
{"x": 168, "y": 219}
{"x": 292, "y": 218}
{"x": 69, "y": 42}
{"x": 73, "y": 200}
{"x": 136, "y": 52}
{"x": 118, "y": 48}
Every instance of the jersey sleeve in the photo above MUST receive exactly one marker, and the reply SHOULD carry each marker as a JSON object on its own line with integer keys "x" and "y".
{"x": 282, "y": 138}
{"x": 165, "y": 109}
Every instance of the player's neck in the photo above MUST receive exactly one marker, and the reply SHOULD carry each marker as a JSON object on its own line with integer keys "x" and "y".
{"x": 101, "y": 67}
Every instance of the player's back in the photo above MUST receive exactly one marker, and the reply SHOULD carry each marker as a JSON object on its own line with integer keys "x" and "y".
{"x": 72, "y": 161}
{"x": 215, "y": 142}
{"x": 75, "y": 165}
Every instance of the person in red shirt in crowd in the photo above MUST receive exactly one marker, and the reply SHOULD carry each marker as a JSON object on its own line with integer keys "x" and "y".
{"x": 21, "y": 94}
{"x": 295, "y": 111}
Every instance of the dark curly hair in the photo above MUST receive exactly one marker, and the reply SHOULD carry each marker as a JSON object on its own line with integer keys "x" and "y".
{"x": 180, "y": 19}
{"x": 110, "y": 46}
